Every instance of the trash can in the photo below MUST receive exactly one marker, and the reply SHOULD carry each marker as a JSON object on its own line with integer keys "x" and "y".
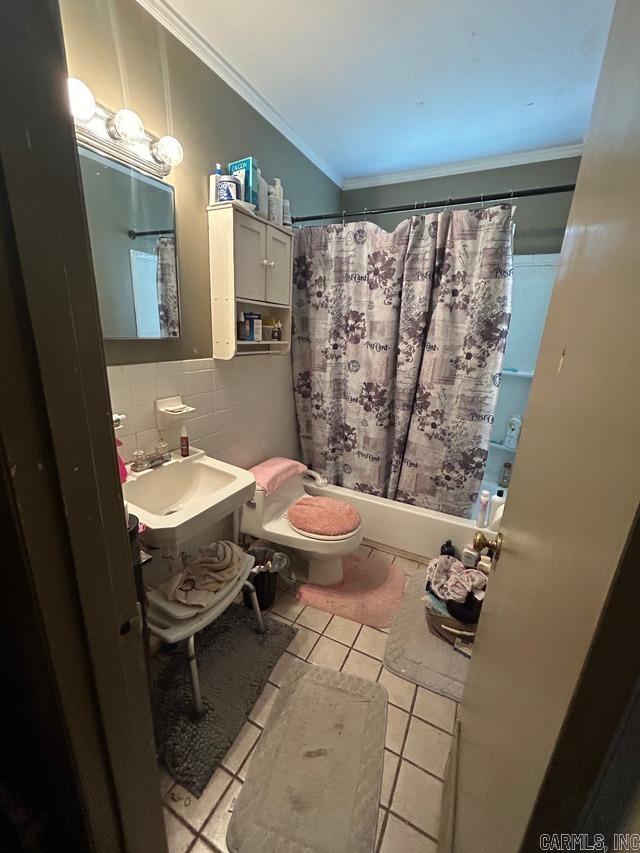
{"x": 264, "y": 575}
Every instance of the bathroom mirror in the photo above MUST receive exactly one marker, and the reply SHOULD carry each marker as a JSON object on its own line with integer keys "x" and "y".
{"x": 131, "y": 218}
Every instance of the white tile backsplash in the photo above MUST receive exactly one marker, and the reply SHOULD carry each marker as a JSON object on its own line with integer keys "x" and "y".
{"x": 244, "y": 407}
{"x": 143, "y": 381}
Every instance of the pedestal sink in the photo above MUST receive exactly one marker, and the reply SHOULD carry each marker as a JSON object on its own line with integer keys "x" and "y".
{"x": 182, "y": 498}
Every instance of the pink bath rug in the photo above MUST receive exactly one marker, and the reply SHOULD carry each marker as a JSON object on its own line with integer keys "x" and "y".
{"x": 370, "y": 592}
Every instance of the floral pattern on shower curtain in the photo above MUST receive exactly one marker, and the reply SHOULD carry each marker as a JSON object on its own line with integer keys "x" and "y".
{"x": 167, "y": 287}
{"x": 397, "y": 347}
{"x": 448, "y": 441}
{"x": 354, "y": 301}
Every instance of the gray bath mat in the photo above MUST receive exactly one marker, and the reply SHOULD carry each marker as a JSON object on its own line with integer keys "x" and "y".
{"x": 314, "y": 782}
{"x": 414, "y": 653}
{"x": 234, "y": 662}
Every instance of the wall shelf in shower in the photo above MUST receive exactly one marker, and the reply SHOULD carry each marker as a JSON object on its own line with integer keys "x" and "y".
{"x": 518, "y": 374}
{"x": 499, "y": 446}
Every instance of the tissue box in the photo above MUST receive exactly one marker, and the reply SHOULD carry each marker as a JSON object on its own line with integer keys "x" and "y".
{"x": 247, "y": 170}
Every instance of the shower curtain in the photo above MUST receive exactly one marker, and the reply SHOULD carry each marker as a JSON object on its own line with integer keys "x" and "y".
{"x": 167, "y": 287}
{"x": 397, "y": 343}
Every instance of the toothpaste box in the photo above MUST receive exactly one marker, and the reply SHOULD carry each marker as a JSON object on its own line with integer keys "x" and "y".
{"x": 247, "y": 170}
{"x": 255, "y": 325}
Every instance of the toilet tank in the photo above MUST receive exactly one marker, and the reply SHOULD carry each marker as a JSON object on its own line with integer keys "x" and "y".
{"x": 263, "y": 508}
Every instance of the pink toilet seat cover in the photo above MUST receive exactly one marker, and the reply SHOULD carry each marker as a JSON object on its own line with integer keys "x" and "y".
{"x": 323, "y": 516}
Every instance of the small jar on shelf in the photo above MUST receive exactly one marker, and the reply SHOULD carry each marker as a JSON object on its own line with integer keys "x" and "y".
{"x": 505, "y": 475}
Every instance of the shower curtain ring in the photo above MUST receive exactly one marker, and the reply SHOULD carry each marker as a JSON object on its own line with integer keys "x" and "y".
{"x": 482, "y": 200}
{"x": 364, "y": 213}
{"x": 343, "y": 213}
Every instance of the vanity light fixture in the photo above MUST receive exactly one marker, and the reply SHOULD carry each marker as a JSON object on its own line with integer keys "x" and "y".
{"x": 81, "y": 100}
{"x": 126, "y": 126}
{"x": 167, "y": 150}
{"x": 120, "y": 134}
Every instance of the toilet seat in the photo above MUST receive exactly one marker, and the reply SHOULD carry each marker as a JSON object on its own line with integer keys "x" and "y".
{"x": 315, "y": 516}
{"x": 322, "y": 538}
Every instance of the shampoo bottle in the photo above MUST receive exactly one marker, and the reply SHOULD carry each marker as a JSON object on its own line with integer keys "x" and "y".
{"x": 184, "y": 441}
{"x": 496, "y": 501}
{"x": 263, "y": 196}
{"x": 275, "y": 207}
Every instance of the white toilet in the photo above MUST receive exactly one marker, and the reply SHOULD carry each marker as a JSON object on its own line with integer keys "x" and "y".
{"x": 265, "y": 517}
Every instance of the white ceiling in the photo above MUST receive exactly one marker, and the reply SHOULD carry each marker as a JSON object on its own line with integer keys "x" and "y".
{"x": 372, "y": 87}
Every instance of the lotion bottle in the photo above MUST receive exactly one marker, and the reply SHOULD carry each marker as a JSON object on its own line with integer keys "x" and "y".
{"x": 481, "y": 520}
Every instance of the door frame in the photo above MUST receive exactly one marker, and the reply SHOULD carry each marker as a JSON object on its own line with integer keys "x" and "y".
{"x": 597, "y": 711}
{"x": 57, "y": 444}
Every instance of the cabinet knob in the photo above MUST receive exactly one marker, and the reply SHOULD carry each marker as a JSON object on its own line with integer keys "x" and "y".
{"x": 272, "y": 263}
{"x": 265, "y": 262}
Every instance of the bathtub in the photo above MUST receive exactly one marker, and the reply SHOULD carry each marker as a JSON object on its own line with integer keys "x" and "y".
{"x": 400, "y": 526}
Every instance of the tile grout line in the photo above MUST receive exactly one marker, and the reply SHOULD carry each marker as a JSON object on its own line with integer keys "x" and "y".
{"x": 397, "y": 773}
{"x": 419, "y": 767}
{"x": 351, "y": 647}
{"x": 413, "y": 826}
{"x": 234, "y": 777}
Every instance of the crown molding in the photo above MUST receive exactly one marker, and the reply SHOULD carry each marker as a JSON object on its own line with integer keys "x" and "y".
{"x": 521, "y": 158}
{"x": 184, "y": 32}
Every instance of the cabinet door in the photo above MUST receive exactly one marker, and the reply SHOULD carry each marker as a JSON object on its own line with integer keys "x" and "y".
{"x": 278, "y": 267}
{"x": 249, "y": 256}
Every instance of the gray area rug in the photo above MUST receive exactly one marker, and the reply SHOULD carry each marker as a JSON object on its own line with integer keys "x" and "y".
{"x": 414, "y": 653}
{"x": 234, "y": 662}
{"x": 314, "y": 781}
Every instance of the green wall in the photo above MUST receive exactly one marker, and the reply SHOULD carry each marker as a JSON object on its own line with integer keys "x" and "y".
{"x": 540, "y": 221}
{"x": 128, "y": 59}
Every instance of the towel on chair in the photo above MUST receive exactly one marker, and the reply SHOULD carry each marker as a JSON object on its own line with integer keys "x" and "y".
{"x": 197, "y": 584}
{"x": 272, "y": 473}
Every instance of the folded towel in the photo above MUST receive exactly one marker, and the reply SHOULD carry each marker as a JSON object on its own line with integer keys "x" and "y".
{"x": 272, "y": 473}
{"x": 197, "y": 584}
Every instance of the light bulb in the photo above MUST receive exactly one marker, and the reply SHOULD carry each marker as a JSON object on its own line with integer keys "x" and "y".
{"x": 81, "y": 101}
{"x": 168, "y": 151}
{"x": 127, "y": 126}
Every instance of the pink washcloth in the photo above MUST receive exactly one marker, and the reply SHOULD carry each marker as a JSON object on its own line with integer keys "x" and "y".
{"x": 272, "y": 473}
{"x": 323, "y": 516}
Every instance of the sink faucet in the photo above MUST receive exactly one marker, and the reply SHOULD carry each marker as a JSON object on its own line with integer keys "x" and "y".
{"x": 142, "y": 461}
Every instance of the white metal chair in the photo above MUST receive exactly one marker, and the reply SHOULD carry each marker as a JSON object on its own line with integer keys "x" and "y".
{"x": 173, "y": 621}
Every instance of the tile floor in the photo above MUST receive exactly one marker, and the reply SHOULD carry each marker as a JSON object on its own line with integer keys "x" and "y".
{"x": 418, "y": 739}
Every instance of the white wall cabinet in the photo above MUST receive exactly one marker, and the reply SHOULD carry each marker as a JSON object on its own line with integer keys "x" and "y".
{"x": 249, "y": 256}
{"x": 250, "y": 264}
{"x": 278, "y": 285}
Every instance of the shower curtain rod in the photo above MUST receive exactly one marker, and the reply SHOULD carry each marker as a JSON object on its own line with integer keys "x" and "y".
{"x": 448, "y": 202}
{"x": 133, "y": 234}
